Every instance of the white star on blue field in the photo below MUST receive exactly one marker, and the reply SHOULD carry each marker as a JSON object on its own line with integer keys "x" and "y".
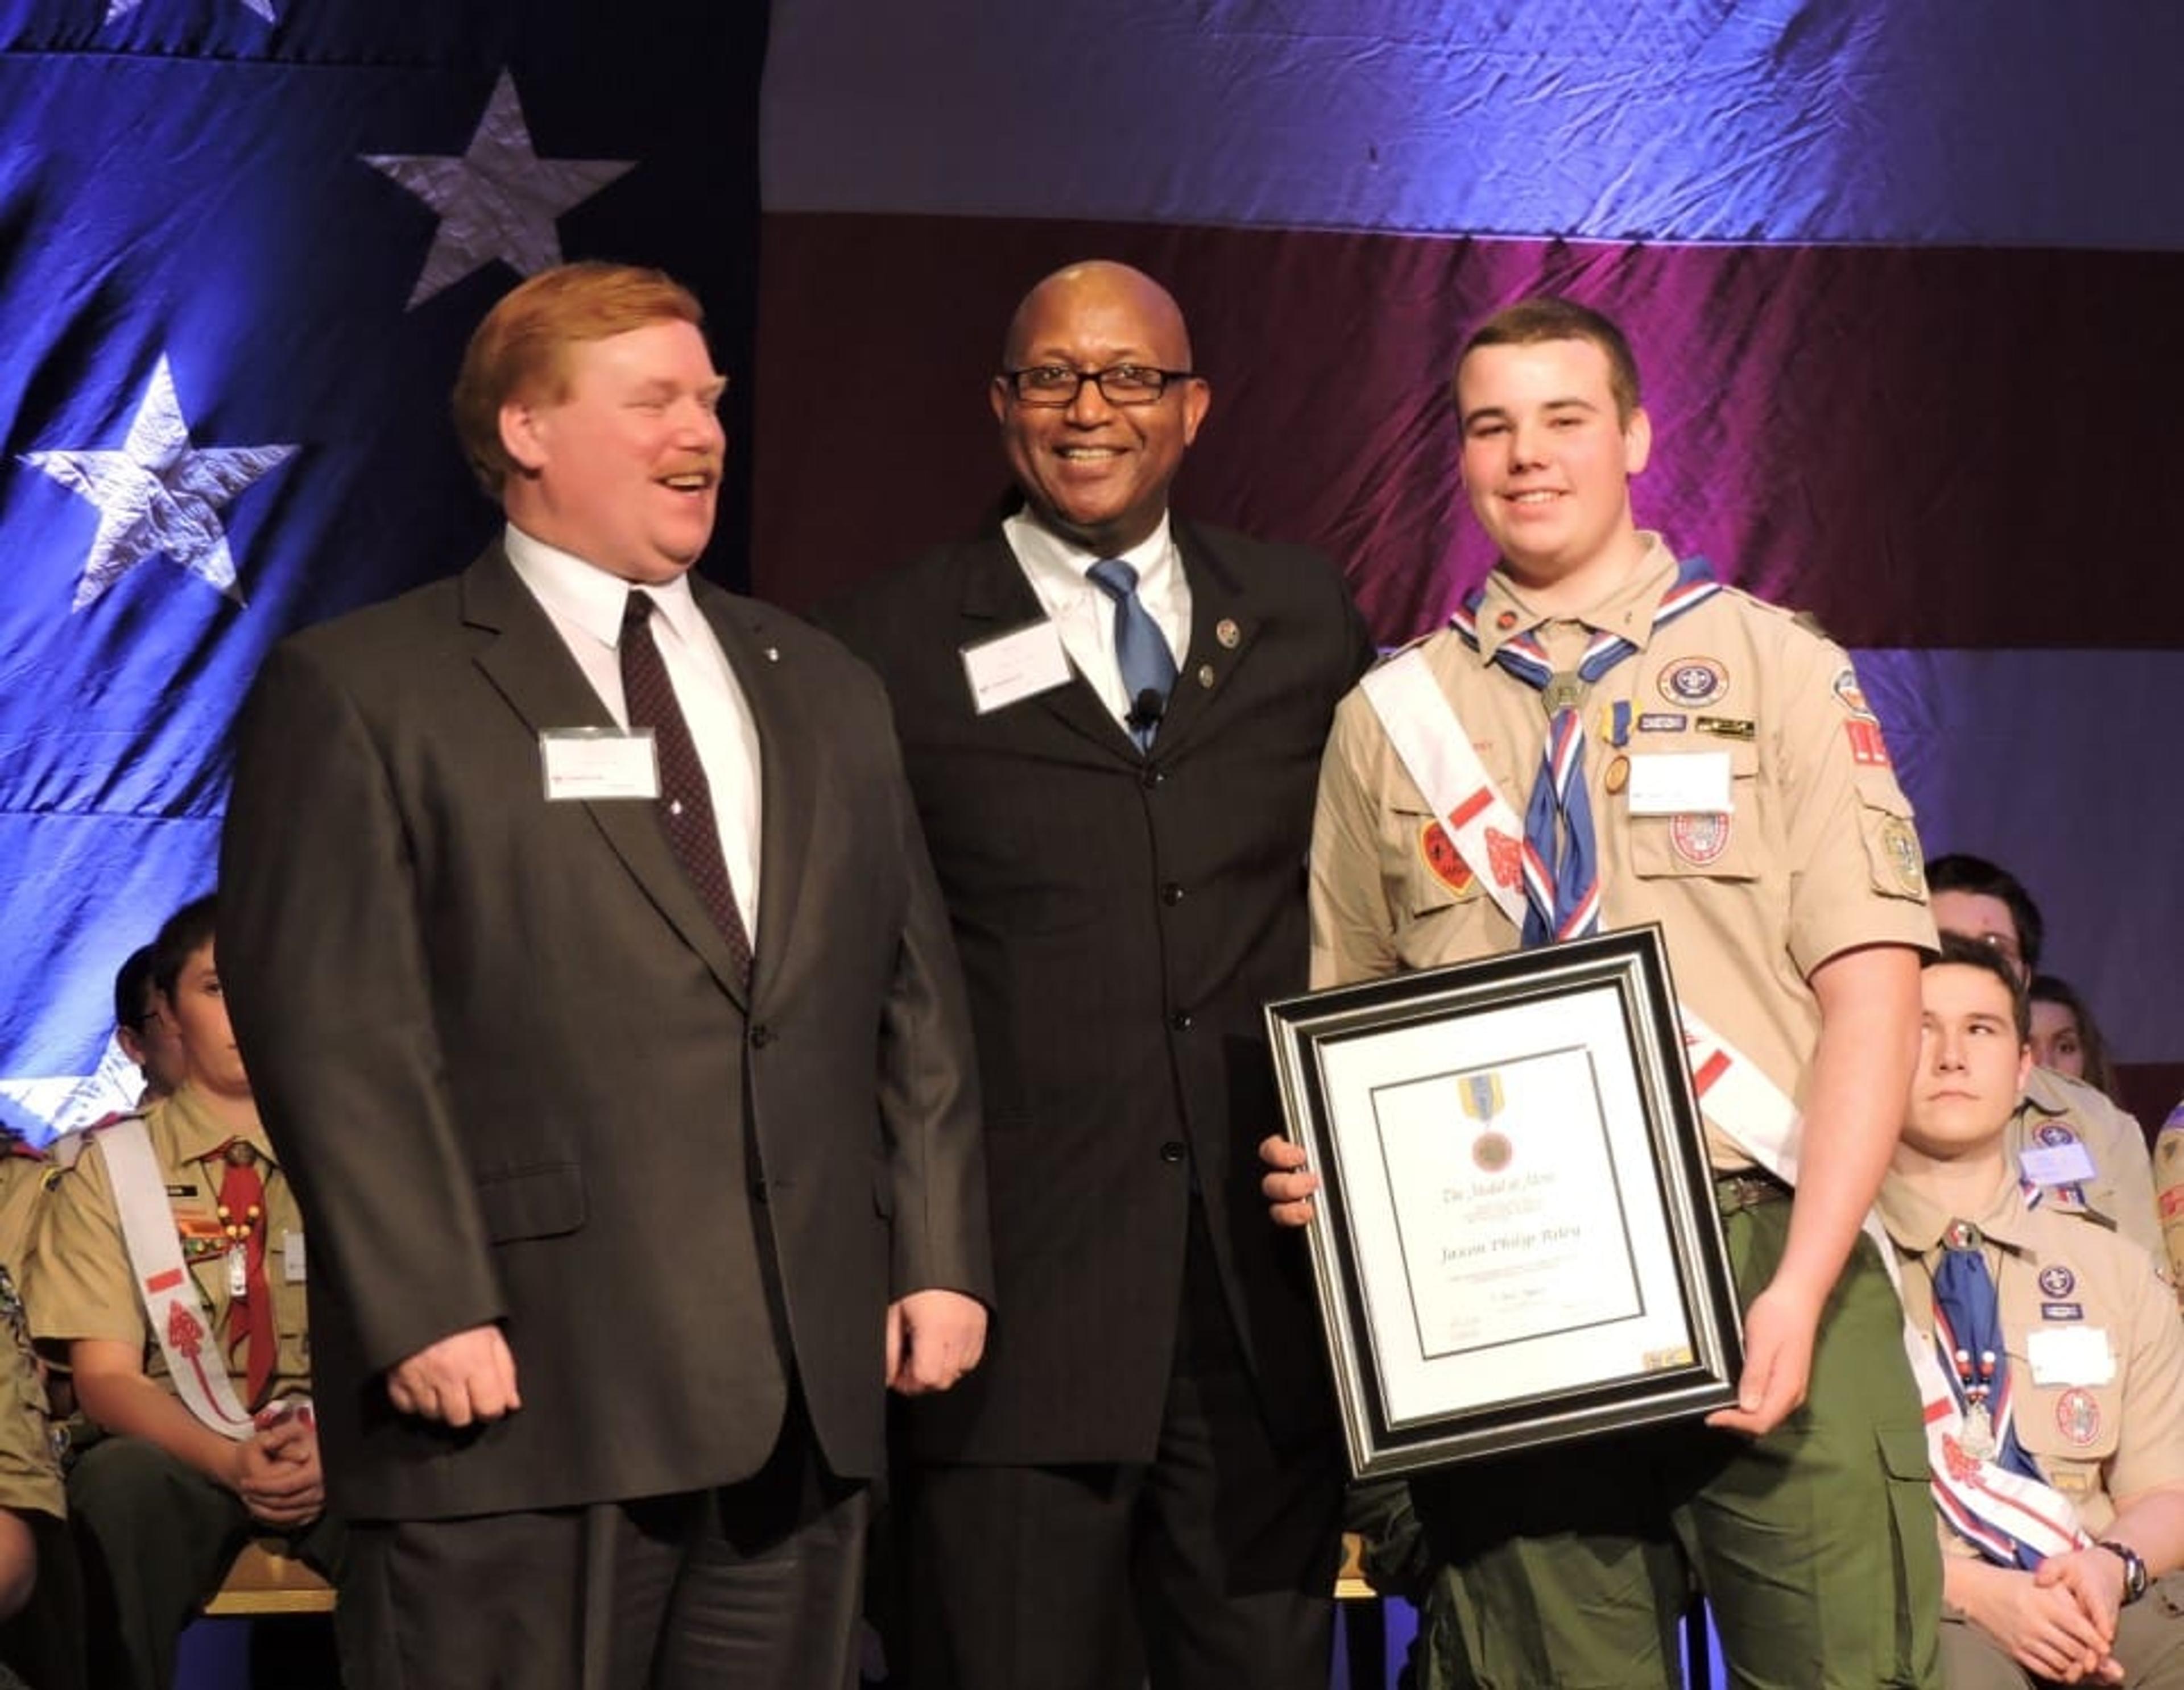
{"x": 157, "y": 495}
{"x": 499, "y": 200}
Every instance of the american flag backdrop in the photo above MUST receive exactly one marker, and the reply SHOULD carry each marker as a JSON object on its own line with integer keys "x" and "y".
{"x": 242, "y": 245}
{"x": 1904, "y": 280}
{"x": 1907, "y": 283}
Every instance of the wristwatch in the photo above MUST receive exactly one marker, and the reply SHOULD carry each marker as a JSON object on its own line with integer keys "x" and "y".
{"x": 2134, "y": 1570}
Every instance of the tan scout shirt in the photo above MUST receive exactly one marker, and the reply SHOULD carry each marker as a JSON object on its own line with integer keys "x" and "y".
{"x": 81, "y": 1285}
{"x": 2052, "y": 1273}
{"x": 2169, "y": 1187}
{"x": 29, "y": 1476}
{"x": 2057, "y": 1111}
{"x": 22, "y": 1171}
{"x": 1819, "y": 857}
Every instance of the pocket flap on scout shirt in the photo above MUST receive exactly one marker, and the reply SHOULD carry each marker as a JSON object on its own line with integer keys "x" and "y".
{"x": 1711, "y": 846}
{"x": 532, "y": 1203}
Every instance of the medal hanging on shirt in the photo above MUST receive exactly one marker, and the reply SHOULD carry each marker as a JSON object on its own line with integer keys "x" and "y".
{"x": 1978, "y": 1381}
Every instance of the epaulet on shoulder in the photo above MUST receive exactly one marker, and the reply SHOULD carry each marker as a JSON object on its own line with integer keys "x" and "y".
{"x": 1389, "y": 654}
{"x": 69, "y": 1145}
{"x": 1803, "y": 621}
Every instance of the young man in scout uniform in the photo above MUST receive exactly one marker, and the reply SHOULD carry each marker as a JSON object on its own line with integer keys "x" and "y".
{"x": 1608, "y": 737}
{"x": 168, "y": 1273}
{"x": 2064, "y": 1136}
{"x": 2060, "y": 1350}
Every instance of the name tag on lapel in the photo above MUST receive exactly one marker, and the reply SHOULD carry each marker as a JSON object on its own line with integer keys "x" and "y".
{"x": 1021, "y": 664}
{"x": 581, "y": 763}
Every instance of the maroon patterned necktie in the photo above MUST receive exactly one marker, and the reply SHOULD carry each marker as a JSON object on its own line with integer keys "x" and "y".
{"x": 685, "y": 805}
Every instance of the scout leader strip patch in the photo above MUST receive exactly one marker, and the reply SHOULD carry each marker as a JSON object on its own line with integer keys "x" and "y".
{"x": 177, "y": 1314}
{"x": 1985, "y": 1502}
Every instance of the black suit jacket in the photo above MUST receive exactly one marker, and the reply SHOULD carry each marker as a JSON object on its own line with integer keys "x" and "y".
{"x": 503, "y": 1052}
{"x": 1122, "y": 919}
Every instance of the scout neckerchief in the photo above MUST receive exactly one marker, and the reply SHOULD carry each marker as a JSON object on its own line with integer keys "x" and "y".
{"x": 1561, "y": 870}
{"x": 171, "y": 1303}
{"x": 1974, "y": 1363}
{"x": 1436, "y": 749}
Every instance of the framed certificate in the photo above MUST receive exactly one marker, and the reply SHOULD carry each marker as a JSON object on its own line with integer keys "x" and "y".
{"x": 1516, "y": 1242}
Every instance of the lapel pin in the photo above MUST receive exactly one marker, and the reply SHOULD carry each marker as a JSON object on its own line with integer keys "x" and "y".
{"x": 773, "y": 653}
{"x": 1228, "y": 632}
{"x": 1204, "y": 674}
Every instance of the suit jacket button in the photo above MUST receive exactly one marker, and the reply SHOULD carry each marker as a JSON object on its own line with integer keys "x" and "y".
{"x": 1180, "y": 1020}
{"x": 1153, "y": 777}
{"x": 761, "y": 1036}
{"x": 1172, "y": 1151}
{"x": 1171, "y": 893}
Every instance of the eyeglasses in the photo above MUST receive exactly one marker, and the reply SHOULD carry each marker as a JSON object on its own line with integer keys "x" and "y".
{"x": 1120, "y": 384}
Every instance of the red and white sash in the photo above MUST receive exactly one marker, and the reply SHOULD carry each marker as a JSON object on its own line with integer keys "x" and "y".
{"x": 1978, "y": 1498}
{"x": 195, "y": 1358}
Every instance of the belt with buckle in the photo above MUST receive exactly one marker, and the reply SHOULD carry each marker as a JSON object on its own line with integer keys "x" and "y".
{"x": 1748, "y": 1188}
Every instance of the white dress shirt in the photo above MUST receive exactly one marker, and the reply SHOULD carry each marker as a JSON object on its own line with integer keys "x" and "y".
{"x": 585, "y": 605}
{"x": 1058, "y": 570}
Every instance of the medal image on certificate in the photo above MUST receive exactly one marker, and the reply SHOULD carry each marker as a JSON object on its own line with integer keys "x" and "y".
{"x": 1515, "y": 1242}
{"x": 1501, "y": 1244}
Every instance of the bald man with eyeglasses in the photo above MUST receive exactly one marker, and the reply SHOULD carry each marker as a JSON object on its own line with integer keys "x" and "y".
{"x": 1111, "y": 718}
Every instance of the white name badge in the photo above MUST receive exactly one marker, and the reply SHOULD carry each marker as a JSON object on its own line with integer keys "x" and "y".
{"x": 2070, "y": 1355}
{"x": 2057, "y": 1165}
{"x": 580, "y": 764}
{"x": 1020, "y": 664}
{"x": 1680, "y": 783}
{"x": 292, "y": 1257}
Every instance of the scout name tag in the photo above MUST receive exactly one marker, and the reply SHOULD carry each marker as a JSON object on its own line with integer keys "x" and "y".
{"x": 579, "y": 765}
{"x": 1680, "y": 783}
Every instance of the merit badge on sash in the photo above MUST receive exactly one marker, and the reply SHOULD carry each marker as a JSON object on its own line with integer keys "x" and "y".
{"x": 1491, "y": 1149}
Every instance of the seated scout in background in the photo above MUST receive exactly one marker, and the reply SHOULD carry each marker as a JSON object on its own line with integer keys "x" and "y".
{"x": 168, "y": 1273}
{"x": 2064, "y": 1136}
{"x": 2061, "y": 1486}
{"x": 40, "y": 1608}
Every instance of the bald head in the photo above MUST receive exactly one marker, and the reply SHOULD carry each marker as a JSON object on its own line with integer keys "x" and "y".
{"x": 1096, "y": 283}
{"x": 1096, "y": 472}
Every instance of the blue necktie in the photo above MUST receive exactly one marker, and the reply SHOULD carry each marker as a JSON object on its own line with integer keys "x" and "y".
{"x": 1968, "y": 1333}
{"x": 1140, "y": 648}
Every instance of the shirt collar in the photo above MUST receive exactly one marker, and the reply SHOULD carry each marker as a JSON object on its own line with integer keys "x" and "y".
{"x": 1060, "y": 567}
{"x": 1627, "y": 611}
{"x": 200, "y": 1135}
{"x": 1917, "y": 1223}
{"x": 591, "y": 599}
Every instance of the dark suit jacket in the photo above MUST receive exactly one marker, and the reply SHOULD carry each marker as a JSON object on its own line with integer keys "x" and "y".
{"x": 501, "y": 1048}
{"x": 1122, "y": 919}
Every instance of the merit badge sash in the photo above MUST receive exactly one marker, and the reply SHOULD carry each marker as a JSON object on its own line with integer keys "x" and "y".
{"x": 177, "y": 1313}
{"x": 1978, "y": 1498}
